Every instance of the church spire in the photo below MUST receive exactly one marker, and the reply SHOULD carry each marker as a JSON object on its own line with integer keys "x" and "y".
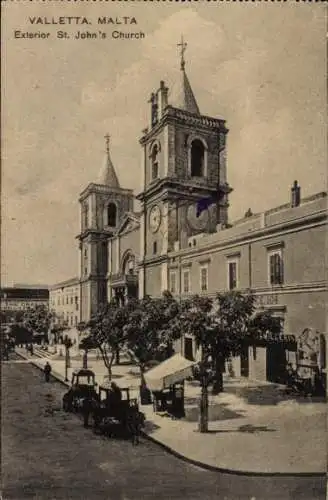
{"x": 107, "y": 175}
{"x": 182, "y": 96}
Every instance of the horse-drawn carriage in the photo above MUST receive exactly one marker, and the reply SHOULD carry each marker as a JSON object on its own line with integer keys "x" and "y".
{"x": 83, "y": 386}
{"x": 111, "y": 408}
{"x": 117, "y": 415}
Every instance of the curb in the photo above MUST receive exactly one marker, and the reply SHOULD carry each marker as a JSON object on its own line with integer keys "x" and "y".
{"x": 235, "y": 472}
{"x": 202, "y": 465}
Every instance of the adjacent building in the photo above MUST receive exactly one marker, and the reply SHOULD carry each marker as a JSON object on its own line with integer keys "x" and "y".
{"x": 64, "y": 299}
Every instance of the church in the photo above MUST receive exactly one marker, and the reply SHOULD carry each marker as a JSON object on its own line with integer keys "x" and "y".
{"x": 181, "y": 239}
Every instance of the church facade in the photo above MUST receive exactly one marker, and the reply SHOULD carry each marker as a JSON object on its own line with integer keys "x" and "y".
{"x": 181, "y": 240}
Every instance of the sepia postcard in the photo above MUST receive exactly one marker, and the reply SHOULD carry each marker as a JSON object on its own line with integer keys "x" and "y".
{"x": 163, "y": 260}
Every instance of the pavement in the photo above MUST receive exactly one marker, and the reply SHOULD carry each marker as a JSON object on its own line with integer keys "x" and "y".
{"x": 254, "y": 427}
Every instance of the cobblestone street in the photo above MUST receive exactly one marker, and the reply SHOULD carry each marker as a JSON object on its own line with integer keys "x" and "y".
{"x": 47, "y": 454}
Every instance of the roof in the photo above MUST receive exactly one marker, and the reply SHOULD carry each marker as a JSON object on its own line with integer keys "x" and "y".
{"x": 25, "y": 293}
{"x": 181, "y": 95}
{"x": 107, "y": 175}
{"x": 83, "y": 372}
{"x": 63, "y": 284}
{"x": 171, "y": 371}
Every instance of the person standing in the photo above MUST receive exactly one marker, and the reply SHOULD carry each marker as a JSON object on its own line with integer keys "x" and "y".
{"x": 47, "y": 371}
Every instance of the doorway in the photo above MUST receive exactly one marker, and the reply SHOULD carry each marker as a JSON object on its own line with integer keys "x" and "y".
{"x": 276, "y": 363}
{"x": 188, "y": 349}
{"x": 244, "y": 361}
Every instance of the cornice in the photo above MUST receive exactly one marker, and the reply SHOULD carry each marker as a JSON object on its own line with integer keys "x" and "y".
{"x": 102, "y": 233}
{"x": 303, "y": 223}
{"x": 106, "y": 190}
{"x": 172, "y": 186}
{"x": 175, "y": 115}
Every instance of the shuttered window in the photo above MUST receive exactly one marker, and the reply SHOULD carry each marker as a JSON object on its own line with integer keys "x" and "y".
{"x": 276, "y": 268}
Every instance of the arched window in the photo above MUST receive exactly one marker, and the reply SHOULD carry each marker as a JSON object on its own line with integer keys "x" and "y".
{"x": 154, "y": 162}
{"x": 197, "y": 158}
{"x": 111, "y": 214}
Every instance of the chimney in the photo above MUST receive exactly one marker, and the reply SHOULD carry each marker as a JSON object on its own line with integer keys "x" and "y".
{"x": 295, "y": 195}
{"x": 162, "y": 99}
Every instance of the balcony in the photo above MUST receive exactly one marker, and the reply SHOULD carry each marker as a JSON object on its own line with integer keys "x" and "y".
{"x": 120, "y": 279}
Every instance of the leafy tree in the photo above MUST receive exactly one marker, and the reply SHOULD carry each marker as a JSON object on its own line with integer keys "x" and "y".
{"x": 107, "y": 332}
{"x": 151, "y": 330}
{"x": 233, "y": 313}
{"x": 221, "y": 327}
{"x": 196, "y": 319}
{"x": 38, "y": 319}
{"x": 237, "y": 326}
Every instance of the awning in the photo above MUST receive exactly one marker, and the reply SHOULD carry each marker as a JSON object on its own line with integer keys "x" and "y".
{"x": 171, "y": 371}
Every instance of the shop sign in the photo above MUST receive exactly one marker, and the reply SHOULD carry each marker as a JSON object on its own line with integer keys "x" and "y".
{"x": 267, "y": 300}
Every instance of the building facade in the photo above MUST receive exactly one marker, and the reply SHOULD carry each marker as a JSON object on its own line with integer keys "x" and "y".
{"x": 181, "y": 239}
{"x": 23, "y": 297}
{"x": 64, "y": 300}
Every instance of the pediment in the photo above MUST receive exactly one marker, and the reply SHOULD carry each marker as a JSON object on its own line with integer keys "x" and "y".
{"x": 129, "y": 223}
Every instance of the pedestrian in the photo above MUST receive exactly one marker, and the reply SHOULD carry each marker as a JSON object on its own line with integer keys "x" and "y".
{"x": 47, "y": 371}
{"x": 86, "y": 410}
{"x": 114, "y": 399}
{"x": 135, "y": 422}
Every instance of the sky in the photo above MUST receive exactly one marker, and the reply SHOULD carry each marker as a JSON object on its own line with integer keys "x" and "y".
{"x": 259, "y": 66}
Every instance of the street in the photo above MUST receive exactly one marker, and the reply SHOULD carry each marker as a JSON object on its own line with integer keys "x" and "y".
{"x": 48, "y": 454}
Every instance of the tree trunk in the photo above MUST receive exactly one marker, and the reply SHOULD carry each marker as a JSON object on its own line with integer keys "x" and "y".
{"x": 145, "y": 394}
{"x": 118, "y": 357}
{"x": 203, "y": 410}
{"x": 85, "y": 359}
{"x": 218, "y": 382}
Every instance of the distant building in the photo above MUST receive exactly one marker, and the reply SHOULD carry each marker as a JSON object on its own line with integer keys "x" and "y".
{"x": 64, "y": 300}
{"x": 20, "y": 298}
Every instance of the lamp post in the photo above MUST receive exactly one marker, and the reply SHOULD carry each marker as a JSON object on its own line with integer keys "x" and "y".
{"x": 68, "y": 344}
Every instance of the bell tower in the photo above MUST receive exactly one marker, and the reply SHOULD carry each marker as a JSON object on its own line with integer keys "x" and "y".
{"x": 185, "y": 189}
{"x": 102, "y": 207}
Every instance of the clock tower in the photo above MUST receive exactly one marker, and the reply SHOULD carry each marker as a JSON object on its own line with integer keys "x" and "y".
{"x": 185, "y": 190}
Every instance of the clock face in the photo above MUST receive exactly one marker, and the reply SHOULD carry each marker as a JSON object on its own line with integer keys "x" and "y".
{"x": 194, "y": 222}
{"x": 155, "y": 218}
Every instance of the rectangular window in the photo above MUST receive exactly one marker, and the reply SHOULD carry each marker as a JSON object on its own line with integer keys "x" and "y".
{"x": 204, "y": 278}
{"x": 155, "y": 247}
{"x": 276, "y": 268}
{"x": 173, "y": 281}
{"x": 186, "y": 281}
{"x": 232, "y": 274}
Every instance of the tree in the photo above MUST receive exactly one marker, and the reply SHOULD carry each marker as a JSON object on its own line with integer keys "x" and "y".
{"x": 238, "y": 326}
{"x": 232, "y": 312}
{"x": 221, "y": 327}
{"x": 38, "y": 319}
{"x": 107, "y": 332}
{"x": 151, "y": 330}
{"x": 196, "y": 320}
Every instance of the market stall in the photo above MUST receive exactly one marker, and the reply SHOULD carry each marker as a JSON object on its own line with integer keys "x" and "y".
{"x": 166, "y": 382}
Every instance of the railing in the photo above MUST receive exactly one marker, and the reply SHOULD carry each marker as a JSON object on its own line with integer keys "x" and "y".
{"x": 128, "y": 279}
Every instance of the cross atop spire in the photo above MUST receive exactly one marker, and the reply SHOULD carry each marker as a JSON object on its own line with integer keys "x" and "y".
{"x": 107, "y": 137}
{"x": 183, "y": 47}
{"x": 107, "y": 175}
